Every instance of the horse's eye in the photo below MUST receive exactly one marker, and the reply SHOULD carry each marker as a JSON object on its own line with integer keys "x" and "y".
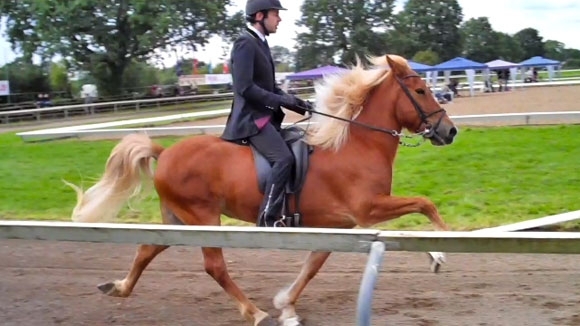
{"x": 420, "y": 91}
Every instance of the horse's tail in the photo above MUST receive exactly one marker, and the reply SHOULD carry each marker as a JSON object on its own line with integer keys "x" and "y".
{"x": 127, "y": 169}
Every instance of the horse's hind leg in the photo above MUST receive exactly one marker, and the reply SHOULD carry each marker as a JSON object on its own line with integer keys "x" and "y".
{"x": 215, "y": 266}
{"x": 124, "y": 287}
{"x": 286, "y": 299}
{"x": 145, "y": 254}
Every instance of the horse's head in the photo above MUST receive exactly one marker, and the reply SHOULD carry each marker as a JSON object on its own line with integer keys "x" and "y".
{"x": 416, "y": 108}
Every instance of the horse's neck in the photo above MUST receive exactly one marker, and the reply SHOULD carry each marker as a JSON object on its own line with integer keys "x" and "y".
{"x": 379, "y": 114}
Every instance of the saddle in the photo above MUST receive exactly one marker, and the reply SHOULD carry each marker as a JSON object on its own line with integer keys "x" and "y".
{"x": 301, "y": 151}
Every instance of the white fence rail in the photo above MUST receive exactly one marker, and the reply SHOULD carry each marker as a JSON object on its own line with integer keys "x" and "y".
{"x": 105, "y": 130}
{"x": 311, "y": 239}
{"x": 134, "y": 105}
{"x": 370, "y": 241}
{"x": 65, "y": 110}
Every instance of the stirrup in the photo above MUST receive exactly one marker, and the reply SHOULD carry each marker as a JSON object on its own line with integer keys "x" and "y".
{"x": 280, "y": 223}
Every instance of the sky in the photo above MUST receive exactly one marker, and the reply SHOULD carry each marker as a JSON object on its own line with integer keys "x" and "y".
{"x": 556, "y": 20}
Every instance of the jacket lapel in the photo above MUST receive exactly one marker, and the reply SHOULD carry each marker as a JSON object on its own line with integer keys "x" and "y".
{"x": 264, "y": 46}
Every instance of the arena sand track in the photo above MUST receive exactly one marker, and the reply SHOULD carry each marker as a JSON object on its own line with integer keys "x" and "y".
{"x": 50, "y": 283}
{"x": 54, "y": 284}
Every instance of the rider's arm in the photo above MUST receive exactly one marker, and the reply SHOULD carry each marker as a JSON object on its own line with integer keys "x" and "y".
{"x": 243, "y": 59}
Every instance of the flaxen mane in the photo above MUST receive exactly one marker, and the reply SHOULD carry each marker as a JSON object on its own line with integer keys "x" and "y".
{"x": 343, "y": 95}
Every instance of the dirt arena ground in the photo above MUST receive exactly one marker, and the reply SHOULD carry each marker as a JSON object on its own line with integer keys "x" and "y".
{"x": 50, "y": 283}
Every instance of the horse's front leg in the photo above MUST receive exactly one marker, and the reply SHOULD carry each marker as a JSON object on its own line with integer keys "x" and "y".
{"x": 286, "y": 299}
{"x": 385, "y": 208}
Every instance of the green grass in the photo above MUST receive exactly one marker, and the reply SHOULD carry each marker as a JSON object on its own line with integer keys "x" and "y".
{"x": 563, "y": 74}
{"x": 490, "y": 176}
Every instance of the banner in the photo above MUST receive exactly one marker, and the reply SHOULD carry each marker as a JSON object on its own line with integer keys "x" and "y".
{"x": 216, "y": 79}
{"x": 4, "y": 88}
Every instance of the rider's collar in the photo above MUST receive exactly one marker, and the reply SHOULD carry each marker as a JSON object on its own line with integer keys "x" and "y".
{"x": 257, "y": 32}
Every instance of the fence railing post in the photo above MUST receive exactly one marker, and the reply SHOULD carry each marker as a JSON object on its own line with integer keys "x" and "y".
{"x": 367, "y": 286}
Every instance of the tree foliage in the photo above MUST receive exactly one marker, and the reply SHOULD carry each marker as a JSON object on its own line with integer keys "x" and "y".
{"x": 530, "y": 42}
{"x": 341, "y": 30}
{"x": 427, "y": 57}
{"x": 431, "y": 25}
{"x": 58, "y": 77}
{"x": 105, "y": 36}
{"x": 115, "y": 41}
{"x": 479, "y": 40}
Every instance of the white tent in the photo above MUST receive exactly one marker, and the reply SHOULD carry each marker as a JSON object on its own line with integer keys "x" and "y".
{"x": 502, "y": 65}
{"x": 457, "y": 64}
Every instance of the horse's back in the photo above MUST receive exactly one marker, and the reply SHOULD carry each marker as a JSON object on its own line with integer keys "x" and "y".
{"x": 206, "y": 157}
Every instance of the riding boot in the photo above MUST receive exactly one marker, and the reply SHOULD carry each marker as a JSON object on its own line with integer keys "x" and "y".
{"x": 271, "y": 208}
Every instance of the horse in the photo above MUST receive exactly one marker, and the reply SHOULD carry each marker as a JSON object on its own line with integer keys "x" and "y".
{"x": 358, "y": 124}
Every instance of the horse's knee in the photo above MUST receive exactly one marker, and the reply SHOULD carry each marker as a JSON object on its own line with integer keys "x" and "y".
{"x": 216, "y": 268}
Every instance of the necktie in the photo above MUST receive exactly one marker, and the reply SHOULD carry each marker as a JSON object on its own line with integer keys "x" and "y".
{"x": 267, "y": 47}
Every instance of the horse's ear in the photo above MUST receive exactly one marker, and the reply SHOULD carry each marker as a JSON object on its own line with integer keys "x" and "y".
{"x": 396, "y": 67}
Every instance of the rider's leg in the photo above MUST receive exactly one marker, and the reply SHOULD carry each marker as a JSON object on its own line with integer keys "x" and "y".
{"x": 270, "y": 143}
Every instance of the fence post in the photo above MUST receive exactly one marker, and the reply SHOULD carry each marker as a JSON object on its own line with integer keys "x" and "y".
{"x": 367, "y": 286}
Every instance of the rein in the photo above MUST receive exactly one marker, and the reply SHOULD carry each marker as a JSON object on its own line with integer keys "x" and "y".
{"x": 391, "y": 132}
{"x": 427, "y": 133}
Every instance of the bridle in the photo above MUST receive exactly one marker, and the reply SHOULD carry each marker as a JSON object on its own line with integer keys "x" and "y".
{"x": 429, "y": 131}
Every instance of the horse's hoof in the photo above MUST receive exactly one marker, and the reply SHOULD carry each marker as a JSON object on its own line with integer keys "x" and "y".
{"x": 268, "y": 321}
{"x": 106, "y": 288}
{"x": 110, "y": 289}
{"x": 436, "y": 259}
{"x": 435, "y": 267}
{"x": 294, "y": 321}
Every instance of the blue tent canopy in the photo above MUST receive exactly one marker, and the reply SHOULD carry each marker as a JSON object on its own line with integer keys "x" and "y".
{"x": 419, "y": 67}
{"x": 539, "y": 61}
{"x": 316, "y": 73}
{"x": 460, "y": 63}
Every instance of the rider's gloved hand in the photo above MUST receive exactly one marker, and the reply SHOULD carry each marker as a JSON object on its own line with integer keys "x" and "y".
{"x": 288, "y": 101}
{"x": 304, "y": 104}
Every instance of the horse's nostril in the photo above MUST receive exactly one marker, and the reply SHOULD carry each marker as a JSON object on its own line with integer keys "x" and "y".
{"x": 452, "y": 132}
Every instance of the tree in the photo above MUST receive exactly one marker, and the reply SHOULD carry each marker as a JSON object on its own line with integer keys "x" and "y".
{"x": 140, "y": 75}
{"x": 427, "y": 57}
{"x": 104, "y": 36}
{"x": 282, "y": 56}
{"x": 508, "y": 48}
{"x": 531, "y": 42}
{"x": 58, "y": 76}
{"x": 26, "y": 77}
{"x": 572, "y": 54}
{"x": 341, "y": 30}
{"x": 479, "y": 40}
{"x": 432, "y": 25}
{"x": 555, "y": 50}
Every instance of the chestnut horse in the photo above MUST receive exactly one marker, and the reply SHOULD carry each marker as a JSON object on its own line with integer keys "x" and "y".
{"x": 348, "y": 183}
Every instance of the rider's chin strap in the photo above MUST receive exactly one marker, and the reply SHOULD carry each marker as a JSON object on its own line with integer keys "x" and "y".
{"x": 266, "y": 32}
{"x": 261, "y": 22}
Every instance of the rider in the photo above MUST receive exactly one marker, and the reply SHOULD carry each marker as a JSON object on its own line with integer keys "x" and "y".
{"x": 256, "y": 113}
